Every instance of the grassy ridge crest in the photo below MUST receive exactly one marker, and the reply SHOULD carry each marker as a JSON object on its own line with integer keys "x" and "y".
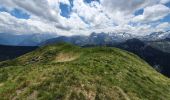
{"x": 63, "y": 72}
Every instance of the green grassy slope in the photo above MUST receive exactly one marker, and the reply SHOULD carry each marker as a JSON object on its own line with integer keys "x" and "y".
{"x": 66, "y": 72}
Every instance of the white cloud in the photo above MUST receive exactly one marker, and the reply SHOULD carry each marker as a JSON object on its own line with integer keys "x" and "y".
{"x": 90, "y": 13}
{"x": 106, "y": 16}
{"x": 10, "y": 24}
{"x": 163, "y": 26}
{"x": 152, "y": 13}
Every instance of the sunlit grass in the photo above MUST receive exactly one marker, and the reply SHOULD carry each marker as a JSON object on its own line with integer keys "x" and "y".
{"x": 96, "y": 73}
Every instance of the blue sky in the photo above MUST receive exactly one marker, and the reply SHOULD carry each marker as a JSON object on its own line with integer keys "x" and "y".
{"x": 65, "y": 10}
{"x": 16, "y": 13}
{"x": 19, "y": 14}
{"x": 74, "y": 17}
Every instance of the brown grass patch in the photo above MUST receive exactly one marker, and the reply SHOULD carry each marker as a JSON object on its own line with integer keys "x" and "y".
{"x": 66, "y": 57}
{"x": 1, "y": 84}
{"x": 120, "y": 94}
{"x": 77, "y": 91}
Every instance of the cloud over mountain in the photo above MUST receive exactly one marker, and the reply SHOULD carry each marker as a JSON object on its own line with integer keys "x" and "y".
{"x": 75, "y": 17}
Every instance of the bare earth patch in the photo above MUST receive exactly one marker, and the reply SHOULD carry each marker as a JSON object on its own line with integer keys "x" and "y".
{"x": 1, "y": 84}
{"x": 66, "y": 57}
{"x": 33, "y": 96}
{"x": 18, "y": 93}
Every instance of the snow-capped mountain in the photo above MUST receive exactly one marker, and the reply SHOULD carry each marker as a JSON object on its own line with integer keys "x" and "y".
{"x": 157, "y": 36}
{"x": 92, "y": 39}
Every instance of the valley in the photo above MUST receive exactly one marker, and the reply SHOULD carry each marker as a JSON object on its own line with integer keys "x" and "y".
{"x": 10, "y": 52}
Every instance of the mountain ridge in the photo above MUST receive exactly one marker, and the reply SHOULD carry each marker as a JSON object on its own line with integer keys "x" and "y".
{"x": 110, "y": 37}
{"x": 155, "y": 57}
{"x": 83, "y": 73}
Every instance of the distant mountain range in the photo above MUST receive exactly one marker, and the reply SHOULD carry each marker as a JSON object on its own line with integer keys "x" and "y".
{"x": 24, "y": 39}
{"x": 93, "y": 38}
{"x": 163, "y": 45}
{"x": 156, "y": 36}
{"x": 106, "y": 38}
